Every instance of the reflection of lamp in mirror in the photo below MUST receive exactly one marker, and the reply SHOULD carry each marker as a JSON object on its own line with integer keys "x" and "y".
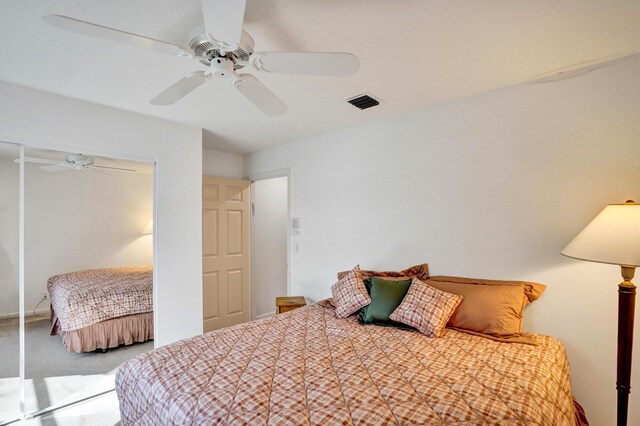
{"x": 148, "y": 229}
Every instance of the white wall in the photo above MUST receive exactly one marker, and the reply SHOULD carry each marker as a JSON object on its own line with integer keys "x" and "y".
{"x": 45, "y": 120}
{"x": 269, "y": 228}
{"x": 222, "y": 164}
{"x": 492, "y": 186}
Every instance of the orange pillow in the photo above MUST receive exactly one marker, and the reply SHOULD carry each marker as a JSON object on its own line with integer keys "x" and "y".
{"x": 532, "y": 290}
{"x": 490, "y": 308}
{"x": 420, "y": 272}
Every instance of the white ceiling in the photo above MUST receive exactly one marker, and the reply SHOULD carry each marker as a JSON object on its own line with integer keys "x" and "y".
{"x": 412, "y": 54}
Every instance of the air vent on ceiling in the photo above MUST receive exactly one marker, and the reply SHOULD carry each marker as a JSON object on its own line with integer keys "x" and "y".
{"x": 363, "y": 101}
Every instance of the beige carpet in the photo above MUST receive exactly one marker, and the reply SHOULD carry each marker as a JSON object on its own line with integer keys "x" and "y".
{"x": 100, "y": 411}
{"x": 54, "y": 375}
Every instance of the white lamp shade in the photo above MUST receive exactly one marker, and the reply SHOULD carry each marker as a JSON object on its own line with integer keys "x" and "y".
{"x": 612, "y": 237}
{"x": 148, "y": 229}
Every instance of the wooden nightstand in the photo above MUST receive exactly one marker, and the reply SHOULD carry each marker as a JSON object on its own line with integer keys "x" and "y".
{"x": 285, "y": 304}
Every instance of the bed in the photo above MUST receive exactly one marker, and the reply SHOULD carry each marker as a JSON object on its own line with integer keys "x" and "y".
{"x": 308, "y": 367}
{"x": 102, "y": 308}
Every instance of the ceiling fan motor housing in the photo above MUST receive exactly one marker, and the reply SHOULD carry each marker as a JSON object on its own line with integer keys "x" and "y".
{"x": 205, "y": 48}
{"x": 79, "y": 161}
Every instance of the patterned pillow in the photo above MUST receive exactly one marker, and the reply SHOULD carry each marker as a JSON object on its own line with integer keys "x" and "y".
{"x": 420, "y": 272}
{"x": 350, "y": 294}
{"x": 426, "y": 308}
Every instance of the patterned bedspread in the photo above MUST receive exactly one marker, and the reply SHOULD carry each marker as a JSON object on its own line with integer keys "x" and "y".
{"x": 83, "y": 298}
{"x": 307, "y": 367}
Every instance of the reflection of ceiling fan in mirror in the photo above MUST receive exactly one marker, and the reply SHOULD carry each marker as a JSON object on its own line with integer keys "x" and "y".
{"x": 224, "y": 48}
{"x": 73, "y": 162}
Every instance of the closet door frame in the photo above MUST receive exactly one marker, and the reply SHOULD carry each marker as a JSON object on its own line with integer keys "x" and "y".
{"x": 24, "y": 143}
{"x": 21, "y": 310}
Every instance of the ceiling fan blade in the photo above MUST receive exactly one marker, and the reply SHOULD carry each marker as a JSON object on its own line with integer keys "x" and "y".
{"x": 37, "y": 160}
{"x": 117, "y": 169}
{"x": 223, "y": 20}
{"x": 57, "y": 167}
{"x": 106, "y": 33}
{"x": 181, "y": 88}
{"x": 259, "y": 95}
{"x": 307, "y": 63}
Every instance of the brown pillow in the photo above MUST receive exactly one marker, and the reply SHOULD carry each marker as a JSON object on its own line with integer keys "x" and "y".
{"x": 486, "y": 309}
{"x": 420, "y": 272}
{"x": 533, "y": 291}
{"x": 490, "y": 308}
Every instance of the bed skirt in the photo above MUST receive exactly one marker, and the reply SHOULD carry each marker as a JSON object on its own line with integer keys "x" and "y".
{"x": 107, "y": 334}
{"x": 581, "y": 417}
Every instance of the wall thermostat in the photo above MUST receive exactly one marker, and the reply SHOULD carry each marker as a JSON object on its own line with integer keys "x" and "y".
{"x": 295, "y": 226}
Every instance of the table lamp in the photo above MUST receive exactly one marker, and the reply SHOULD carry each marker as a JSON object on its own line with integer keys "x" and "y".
{"x": 614, "y": 237}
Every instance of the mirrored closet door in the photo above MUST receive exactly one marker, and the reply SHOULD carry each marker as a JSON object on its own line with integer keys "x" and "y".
{"x": 82, "y": 303}
{"x": 88, "y": 275}
{"x": 9, "y": 282}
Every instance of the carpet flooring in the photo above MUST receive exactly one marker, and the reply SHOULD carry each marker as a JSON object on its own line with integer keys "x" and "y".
{"x": 101, "y": 411}
{"x": 54, "y": 375}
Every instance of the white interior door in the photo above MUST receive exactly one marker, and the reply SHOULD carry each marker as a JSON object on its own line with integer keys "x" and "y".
{"x": 226, "y": 252}
{"x": 269, "y": 231}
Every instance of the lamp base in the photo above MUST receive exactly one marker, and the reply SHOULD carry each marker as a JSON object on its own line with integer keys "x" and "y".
{"x": 626, "y": 311}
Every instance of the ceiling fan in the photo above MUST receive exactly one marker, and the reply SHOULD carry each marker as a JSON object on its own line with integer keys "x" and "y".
{"x": 73, "y": 162}
{"x": 225, "y": 48}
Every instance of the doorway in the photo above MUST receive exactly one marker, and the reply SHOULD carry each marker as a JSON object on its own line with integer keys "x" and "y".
{"x": 270, "y": 222}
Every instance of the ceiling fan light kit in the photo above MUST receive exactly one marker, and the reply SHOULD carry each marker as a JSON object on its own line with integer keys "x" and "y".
{"x": 225, "y": 48}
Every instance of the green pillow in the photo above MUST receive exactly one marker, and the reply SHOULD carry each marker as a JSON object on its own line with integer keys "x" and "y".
{"x": 386, "y": 296}
{"x": 367, "y": 284}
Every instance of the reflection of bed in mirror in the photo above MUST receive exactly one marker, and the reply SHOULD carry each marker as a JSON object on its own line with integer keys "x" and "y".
{"x": 102, "y": 308}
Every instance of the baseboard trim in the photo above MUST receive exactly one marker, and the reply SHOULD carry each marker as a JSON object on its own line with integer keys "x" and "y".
{"x": 267, "y": 315}
{"x": 41, "y": 312}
